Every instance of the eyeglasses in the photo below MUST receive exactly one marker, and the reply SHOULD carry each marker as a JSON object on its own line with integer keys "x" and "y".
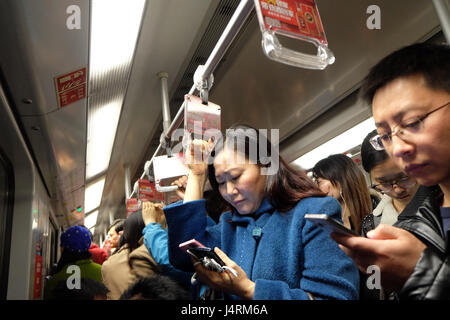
{"x": 407, "y": 129}
{"x": 405, "y": 183}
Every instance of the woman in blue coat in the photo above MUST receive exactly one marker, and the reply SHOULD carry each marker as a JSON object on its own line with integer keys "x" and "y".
{"x": 275, "y": 251}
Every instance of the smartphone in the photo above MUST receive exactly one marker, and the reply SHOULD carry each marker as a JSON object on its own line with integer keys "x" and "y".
{"x": 190, "y": 244}
{"x": 201, "y": 252}
{"x": 330, "y": 224}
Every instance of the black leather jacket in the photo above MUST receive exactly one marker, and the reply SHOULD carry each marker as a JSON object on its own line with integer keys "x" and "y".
{"x": 431, "y": 276}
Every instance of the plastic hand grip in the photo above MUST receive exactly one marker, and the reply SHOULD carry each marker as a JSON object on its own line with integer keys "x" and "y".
{"x": 275, "y": 51}
{"x": 165, "y": 189}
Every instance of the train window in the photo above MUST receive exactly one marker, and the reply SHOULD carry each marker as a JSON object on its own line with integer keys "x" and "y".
{"x": 6, "y": 209}
{"x": 345, "y": 142}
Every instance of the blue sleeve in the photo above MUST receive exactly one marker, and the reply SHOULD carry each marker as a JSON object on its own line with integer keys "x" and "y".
{"x": 188, "y": 221}
{"x": 155, "y": 240}
{"x": 328, "y": 273}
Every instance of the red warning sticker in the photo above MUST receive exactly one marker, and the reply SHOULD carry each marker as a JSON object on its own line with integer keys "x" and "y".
{"x": 71, "y": 87}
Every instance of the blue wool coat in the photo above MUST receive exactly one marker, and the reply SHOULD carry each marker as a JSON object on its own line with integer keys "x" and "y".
{"x": 292, "y": 256}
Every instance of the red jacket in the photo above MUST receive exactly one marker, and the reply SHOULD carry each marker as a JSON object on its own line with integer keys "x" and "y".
{"x": 98, "y": 255}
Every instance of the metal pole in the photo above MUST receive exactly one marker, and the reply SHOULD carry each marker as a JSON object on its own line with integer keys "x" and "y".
{"x": 240, "y": 15}
{"x": 443, "y": 11}
{"x": 127, "y": 182}
{"x": 165, "y": 100}
{"x": 236, "y": 22}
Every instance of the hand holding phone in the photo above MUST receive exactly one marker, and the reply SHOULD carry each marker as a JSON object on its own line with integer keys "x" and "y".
{"x": 330, "y": 224}
{"x": 206, "y": 256}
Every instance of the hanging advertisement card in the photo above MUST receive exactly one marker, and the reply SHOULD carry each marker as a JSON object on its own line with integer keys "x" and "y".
{"x": 294, "y": 17}
{"x": 133, "y": 205}
{"x": 199, "y": 117}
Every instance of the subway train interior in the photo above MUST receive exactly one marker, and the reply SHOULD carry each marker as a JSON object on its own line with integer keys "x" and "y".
{"x": 89, "y": 88}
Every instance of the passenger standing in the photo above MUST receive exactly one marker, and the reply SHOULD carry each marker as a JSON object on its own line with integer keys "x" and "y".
{"x": 275, "y": 252}
{"x": 98, "y": 255}
{"x": 75, "y": 243}
{"x": 409, "y": 91}
{"x": 339, "y": 177}
{"x": 132, "y": 260}
{"x": 115, "y": 230}
{"x": 397, "y": 188}
{"x": 156, "y": 242}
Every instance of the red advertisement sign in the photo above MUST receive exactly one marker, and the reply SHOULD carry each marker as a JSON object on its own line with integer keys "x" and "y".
{"x": 294, "y": 16}
{"x": 132, "y": 205}
{"x": 37, "y": 277}
{"x": 71, "y": 87}
{"x": 147, "y": 191}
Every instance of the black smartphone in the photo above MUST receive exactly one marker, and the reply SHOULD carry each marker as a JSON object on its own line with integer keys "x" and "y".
{"x": 200, "y": 252}
{"x": 330, "y": 224}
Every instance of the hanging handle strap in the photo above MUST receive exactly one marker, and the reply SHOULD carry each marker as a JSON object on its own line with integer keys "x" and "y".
{"x": 275, "y": 51}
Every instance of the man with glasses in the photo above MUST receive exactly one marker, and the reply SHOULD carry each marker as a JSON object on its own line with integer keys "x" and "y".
{"x": 409, "y": 91}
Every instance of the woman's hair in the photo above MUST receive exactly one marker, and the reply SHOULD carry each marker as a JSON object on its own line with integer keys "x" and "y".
{"x": 132, "y": 230}
{"x": 285, "y": 186}
{"x": 370, "y": 157}
{"x": 117, "y": 224}
{"x": 341, "y": 171}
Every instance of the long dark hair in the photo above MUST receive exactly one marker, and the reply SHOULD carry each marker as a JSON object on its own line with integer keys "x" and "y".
{"x": 341, "y": 170}
{"x": 132, "y": 230}
{"x": 285, "y": 187}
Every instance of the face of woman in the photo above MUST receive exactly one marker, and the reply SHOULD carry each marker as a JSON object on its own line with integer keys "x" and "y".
{"x": 388, "y": 172}
{"x": 240, "y": 182}
{"x": 114, "y": 236}
{"x": 329, "y": 188}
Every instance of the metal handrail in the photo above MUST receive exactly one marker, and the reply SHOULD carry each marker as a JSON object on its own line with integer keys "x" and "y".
{"x": 233, "y": 27}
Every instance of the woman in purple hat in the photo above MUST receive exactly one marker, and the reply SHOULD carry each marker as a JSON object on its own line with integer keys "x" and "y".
{"x": 75, "y": 262}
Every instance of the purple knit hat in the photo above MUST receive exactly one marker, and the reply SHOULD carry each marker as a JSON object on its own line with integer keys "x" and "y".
{"x": 76, "y": 239}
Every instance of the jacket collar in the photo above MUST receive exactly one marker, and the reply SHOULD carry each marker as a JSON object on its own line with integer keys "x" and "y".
{"x": 265, "y": 207}
{"x": 422, "y": 217}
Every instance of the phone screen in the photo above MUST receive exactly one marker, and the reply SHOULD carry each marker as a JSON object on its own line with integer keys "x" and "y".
{"x": 190, "y": 244}
{"x": 329, "y": 224}
{"x": 200, "y": 253}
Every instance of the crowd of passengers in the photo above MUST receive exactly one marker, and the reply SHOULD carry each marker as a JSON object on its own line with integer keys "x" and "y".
{"x": 255, "y": 222}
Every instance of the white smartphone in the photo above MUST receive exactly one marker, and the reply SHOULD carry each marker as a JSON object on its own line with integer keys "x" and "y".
{"x": 330, "y": 224}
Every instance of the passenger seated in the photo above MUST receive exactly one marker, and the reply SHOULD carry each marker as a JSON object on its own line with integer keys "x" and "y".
{"x": 339, "y": 177}
{"x": 75, "y": 243}
{"x": 155, "y": 288}
{"x": 131, "y": 261}
{"x": 409, "y": 91}
{"x": 265, "y": 239}
{"x": 397, "y": 188}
